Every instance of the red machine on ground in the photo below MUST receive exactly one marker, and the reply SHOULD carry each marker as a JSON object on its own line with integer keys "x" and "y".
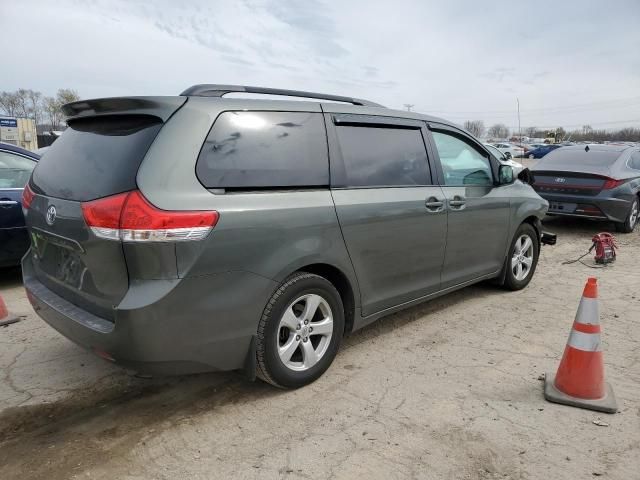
{"x": 605, "y": 246}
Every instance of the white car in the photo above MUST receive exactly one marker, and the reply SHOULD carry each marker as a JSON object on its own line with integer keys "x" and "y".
{"x": 509, "y": 150}
{"x": 517, "y": 167}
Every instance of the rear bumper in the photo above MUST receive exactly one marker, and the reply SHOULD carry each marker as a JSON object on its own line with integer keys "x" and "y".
{"x": 163, "y": 327}
{"x": 612, "y": 209}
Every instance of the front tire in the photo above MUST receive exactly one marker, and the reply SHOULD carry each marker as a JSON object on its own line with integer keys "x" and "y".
{"x": 300, "y": 331}
{"x": 522, "y": 259}
{"x": 629, "y": 225}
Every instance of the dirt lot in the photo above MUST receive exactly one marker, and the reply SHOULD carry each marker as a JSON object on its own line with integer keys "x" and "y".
{"x": 446, "y": 390}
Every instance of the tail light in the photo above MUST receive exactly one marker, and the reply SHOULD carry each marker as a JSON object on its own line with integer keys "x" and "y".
{"x": 131, "y": 218}
{"x": 612, "y": 183}
{"x": 27, "y": 197}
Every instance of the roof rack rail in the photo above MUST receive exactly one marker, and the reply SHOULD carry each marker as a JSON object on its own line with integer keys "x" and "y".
{"x": 212, "y": 90}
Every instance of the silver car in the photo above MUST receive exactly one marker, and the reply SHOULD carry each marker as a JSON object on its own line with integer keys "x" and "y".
{"x": 197, "y": 233}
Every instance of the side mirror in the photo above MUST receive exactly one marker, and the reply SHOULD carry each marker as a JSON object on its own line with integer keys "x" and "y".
{"x": 525, "y": 176}
{"x": 505, "y": 175}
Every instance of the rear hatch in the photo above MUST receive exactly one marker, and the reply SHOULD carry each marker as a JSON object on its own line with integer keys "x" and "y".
{"x": 97, "y": 156}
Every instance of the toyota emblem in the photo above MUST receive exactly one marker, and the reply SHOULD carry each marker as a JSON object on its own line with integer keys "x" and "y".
{"x": 561, "y": 180}
{"x": 51, "y": 215}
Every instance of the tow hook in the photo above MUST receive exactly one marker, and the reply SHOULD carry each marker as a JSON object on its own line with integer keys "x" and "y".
{"x": 548, "y": 238}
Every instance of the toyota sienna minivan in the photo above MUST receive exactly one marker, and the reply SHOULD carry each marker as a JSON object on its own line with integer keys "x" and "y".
{"x": 199, "y": 233}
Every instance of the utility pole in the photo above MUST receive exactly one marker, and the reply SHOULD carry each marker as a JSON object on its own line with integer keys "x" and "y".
{"x": 519, "y": 128}
{"x": 409, "y": 106}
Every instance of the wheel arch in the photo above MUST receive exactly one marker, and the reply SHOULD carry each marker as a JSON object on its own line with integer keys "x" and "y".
{"x": 536, "y": 224}
{"x": 342, "y": 283}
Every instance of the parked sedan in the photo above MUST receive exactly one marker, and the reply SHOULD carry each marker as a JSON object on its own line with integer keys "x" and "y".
{"x": 517, "y": 167}
{"x": 509, "y": 150}
{"x": 541, "y": 151}
{"x": 532, "y": 146}
{"x": 593, "y": 181}
{"x": 16, "y": 165}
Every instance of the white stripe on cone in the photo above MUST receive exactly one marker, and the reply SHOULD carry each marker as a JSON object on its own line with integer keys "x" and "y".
{"x": 588, "y": 311}
{"x": 587, "y": 342}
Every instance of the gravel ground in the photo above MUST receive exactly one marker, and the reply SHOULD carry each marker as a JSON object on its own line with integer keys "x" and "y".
{"x": 446, "y": 390}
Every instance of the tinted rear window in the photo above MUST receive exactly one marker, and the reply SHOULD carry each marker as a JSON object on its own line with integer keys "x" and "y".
{"x": 96, "y": 157}
{"x": 255, "y": 150}
{"x": 383, "y": 157}
{"x": 578, "y": 156}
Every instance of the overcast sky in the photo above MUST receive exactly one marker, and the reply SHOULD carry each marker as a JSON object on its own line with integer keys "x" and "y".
{"x": 569, "y": 62}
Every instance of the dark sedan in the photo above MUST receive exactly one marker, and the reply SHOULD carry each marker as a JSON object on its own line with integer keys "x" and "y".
{"x": 594, "y": 181}
{"x": 541, "y": 151}
{"x": 16, "y": 165}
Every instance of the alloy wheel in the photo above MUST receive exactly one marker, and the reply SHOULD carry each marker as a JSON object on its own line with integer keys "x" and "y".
{"x": 304, "y": 332}
{"x": 633, "y": 216}
{"x": 522, "y": 258}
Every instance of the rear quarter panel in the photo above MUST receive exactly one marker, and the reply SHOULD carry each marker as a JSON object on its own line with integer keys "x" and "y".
{"x": 525, "y": 203}
{"x": 270, "y": 234}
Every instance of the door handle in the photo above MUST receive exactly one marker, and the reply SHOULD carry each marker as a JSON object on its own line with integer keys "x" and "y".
{"x": 457, "y": 203}
{"x": 8, "y": 202}
{"x": 434, "y": 205}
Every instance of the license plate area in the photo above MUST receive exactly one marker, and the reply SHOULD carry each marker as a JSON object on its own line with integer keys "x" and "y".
{"x": 562, "y": 207}
{"x": 58, "y": 257}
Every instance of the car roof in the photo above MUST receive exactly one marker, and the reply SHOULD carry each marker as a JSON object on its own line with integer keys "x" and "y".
{"x": 336, "y": 102}
{"x": 22, "y": 151}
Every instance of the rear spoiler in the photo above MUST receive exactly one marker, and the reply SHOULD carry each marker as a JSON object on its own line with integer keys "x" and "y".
{"x": 161, "y": 107}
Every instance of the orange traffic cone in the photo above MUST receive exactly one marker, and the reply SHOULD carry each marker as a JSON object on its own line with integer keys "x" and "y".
{"x": 5, "y": 317}
{"x": 579, "y": 381}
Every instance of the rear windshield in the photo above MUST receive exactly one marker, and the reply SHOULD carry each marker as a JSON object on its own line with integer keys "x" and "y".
{"x": 96, "y": 157}
{"x": 578, "y": 156}
{"x": 265, "y": 150}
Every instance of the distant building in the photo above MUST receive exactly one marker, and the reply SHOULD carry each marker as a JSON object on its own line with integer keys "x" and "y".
{"x": 19, "y": 131}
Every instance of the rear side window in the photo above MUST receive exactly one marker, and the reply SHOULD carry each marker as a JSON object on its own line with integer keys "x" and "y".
{"x": 96, "y": 157}
{"x": 14, "y": 170}
{"x": 262, "y": 150}
{"x": 383, "y": 157}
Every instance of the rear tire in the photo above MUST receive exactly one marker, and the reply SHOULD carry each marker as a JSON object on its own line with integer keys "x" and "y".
{"x": 300, "y": 331}
{"x": 629, "y": 225}
{"x": 522, "y": 258}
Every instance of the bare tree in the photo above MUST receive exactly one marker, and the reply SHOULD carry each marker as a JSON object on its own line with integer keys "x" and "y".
{"x": 530, "y": 131}
{"x": 31, "y": 104}
{"x": 499, "y": 130}
{"x": 475, "y": 127}
{"x": 627, "y": 134}
{"x": 53, "y": 106}
{"x": 561, "y": 133}
{"x": 67, "y": 95}
{"x": 53, "y": 111}
{"x": 35, "y": 105}
{"x": 9, "y": 103}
